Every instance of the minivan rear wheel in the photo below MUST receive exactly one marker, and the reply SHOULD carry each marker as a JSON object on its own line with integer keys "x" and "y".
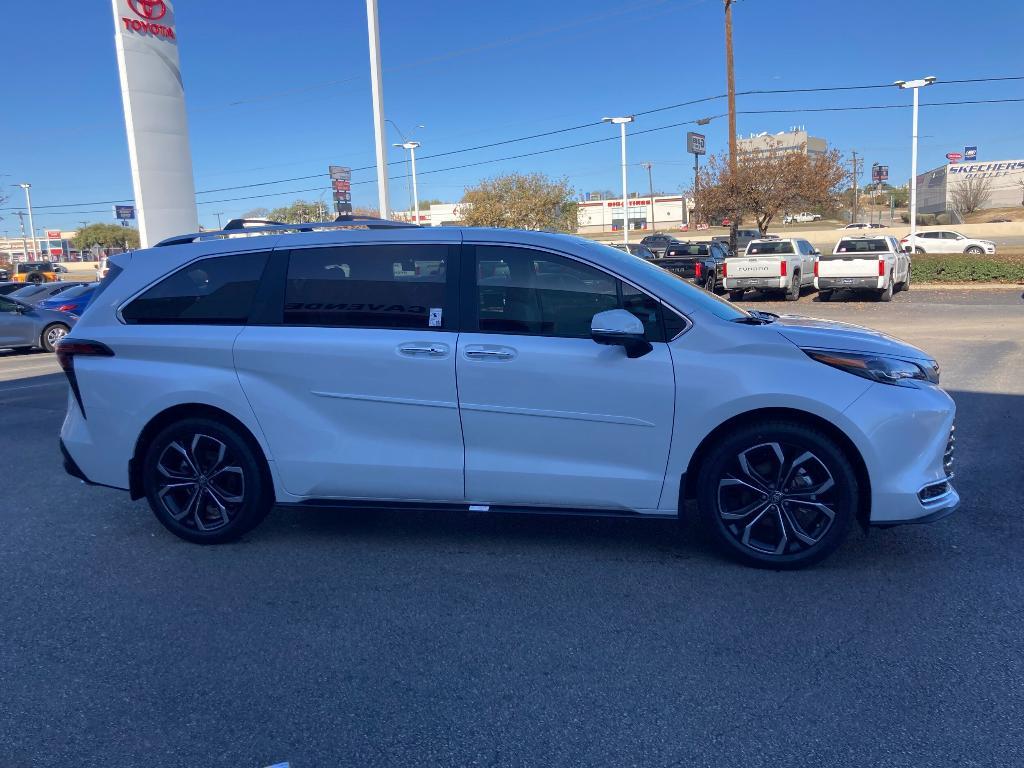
{"x": 777, "y": 494}
{"x": 204, "y": 481}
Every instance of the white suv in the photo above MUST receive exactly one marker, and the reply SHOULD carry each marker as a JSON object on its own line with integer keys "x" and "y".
{"x": 947, "y": 241}
{"x": 488, "y": 369}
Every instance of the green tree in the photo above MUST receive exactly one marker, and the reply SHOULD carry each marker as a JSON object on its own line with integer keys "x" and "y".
{"x": 301, "y": 212}
{"x": 521, "y": 201}
{"x": 105, "y": 236}
{"x": 425, "y": 204}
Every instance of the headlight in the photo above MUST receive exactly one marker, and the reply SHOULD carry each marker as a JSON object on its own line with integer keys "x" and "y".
{"x": 880, "y": 368}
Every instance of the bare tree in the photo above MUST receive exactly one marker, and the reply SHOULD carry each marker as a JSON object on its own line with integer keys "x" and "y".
{"x": 768, "y": 183}
{"x": 971, "y": 193}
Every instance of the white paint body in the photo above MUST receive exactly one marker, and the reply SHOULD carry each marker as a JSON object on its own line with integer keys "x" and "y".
{"x": 946, "y": 241}
{"x": 765, "y": 271}
{"x": 157, "y": 126}
{"x": 492, "y": 419}
{"x": 861, "y": 269}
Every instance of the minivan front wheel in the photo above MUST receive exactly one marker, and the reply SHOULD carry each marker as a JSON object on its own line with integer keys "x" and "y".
{"x": 777, "y": 494}
{"x": 204, "y": 482}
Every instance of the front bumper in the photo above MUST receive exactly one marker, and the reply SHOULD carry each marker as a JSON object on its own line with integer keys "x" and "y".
{"x": 907, "y": 442}
{"x": 834, "y": 283}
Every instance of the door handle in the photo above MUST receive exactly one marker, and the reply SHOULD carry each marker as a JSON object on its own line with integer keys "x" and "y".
{"x": 490, "y": 353}
{"x": 423, "y": 350}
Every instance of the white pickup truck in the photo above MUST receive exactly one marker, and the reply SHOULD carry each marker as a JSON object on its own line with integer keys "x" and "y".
{"x": 777, "y": 265}
{"x": 877, "y": 263}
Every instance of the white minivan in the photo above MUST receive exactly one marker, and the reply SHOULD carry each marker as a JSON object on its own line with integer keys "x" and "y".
{"x": 367, "y": 363}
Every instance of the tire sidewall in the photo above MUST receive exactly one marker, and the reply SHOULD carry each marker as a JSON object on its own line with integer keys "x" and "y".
{"x": 714, "y": 465}
{"x": 258, "y": 491}
{"x": 44, "y": 342}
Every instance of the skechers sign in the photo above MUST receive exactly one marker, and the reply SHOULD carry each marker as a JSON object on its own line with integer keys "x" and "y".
{"x": 988, "y": 170}
{"x": 146, "y": 15}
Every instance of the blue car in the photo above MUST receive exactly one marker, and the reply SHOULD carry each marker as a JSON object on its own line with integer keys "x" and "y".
{"x": 73, "y": 300}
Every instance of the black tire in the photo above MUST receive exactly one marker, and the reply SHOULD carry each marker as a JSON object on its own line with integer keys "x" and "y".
{"x": 36, "y": 278}
{"x": 234, "y": 493}
{"x": 910, "y": 272}
{"x": 975, "y": 250}
{"x": 918, "y": 250}
{"x": 793, "y": 294}
{"x": 886, "y": 295}
{"x": 51, "y": 336}
{"x": 735, "y": 295}
{"x": 771, "y": 539}
{"x": 825, "y": 295}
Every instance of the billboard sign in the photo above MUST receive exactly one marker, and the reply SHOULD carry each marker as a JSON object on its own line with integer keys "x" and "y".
{"x": 124, "y": 212}
{"x": 879, "y": 173}
{"x": 341, "y": 186}
{"x": 954, "y": 157}
{"x": 146, "y": 41}
{"x": 53, "y": 234}
{"x": 695, "y": 143}
{"x": 970, "y": 154}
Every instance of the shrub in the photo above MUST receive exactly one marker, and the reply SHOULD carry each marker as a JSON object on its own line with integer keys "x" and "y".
{"x": 967, "y": 268}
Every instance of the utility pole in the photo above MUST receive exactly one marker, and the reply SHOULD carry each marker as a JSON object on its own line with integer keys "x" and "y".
{"x": 650, "y": 185}
{"x": 377, "y": 85}
{"x": 853, "y": 217}
{"x": 218, "y": 215}
{"x": 730, "y": 77}
{"x": 24, "y": 242}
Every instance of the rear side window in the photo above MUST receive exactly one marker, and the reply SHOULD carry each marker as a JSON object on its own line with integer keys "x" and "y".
{"x": 369, "y": 286}
{"x": 215, "y": 291}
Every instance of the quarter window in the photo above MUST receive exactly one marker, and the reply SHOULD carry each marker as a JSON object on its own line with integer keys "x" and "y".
{"x": 215, "y": 291}
{"x": 375, "y": 286}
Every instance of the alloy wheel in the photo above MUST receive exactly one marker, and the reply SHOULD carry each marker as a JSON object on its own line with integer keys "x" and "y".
{"x": 201, "y": 484}
{"x": 777, "y": 499}
{"x": 55, "y": 334}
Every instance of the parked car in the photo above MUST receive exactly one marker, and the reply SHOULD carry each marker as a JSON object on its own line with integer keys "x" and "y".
{"x": 5, "y": 275}
{"x": 877, "y": 263}
{"x": 743, "y": 238}
{"x": 33, "y": 293}
{"x": 801, "y": 218}
{"x": 785, "y": 265}
{"x": 637, "y": 249}
{"x": 658, "y": 243}
{"x": 947, "y": 241}
{"x": 23, "y": 326}
{"x": 73, "y": 300}
{"x": 700, "y": 262}
{"x": 485, "y": 370}
{"x": 38, "y": 272}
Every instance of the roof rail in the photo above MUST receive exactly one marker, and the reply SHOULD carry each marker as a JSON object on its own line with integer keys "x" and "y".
{"x": 237, "y": 227}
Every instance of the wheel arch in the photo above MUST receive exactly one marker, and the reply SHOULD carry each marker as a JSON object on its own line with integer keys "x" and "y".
{"x": 688, "y": 488}
{"x": 184, "y": 411}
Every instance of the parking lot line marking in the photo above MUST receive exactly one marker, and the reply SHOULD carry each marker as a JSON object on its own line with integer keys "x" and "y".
{"x": 30, "y": 386}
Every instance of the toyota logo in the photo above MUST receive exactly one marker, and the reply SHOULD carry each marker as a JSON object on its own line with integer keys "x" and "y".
{"x": 149, "y": 9}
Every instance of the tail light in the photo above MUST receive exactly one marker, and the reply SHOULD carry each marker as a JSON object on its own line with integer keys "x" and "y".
{"x": 881, "y": 267}
{"x": 696, "y": 270}
{"x": 68, "y": 350}
{"x": 65, "y": 307}
{"x": 815, "y": 267}
{"x": 904, "y": 239}
{"x": 783, "y": 268}
{"x": 725, "y": 269}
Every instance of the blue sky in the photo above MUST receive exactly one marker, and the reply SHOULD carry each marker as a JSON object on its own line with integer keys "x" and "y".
{"x": 278, "y": 90}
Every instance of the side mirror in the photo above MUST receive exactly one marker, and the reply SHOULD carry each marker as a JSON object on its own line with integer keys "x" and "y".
{"x": 617, "y": 327}
{"x": 907, "y": 249}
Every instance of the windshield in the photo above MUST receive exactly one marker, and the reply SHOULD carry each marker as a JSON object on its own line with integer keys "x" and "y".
{"x": 760, "y": 248}
{"x": 675, "y": 290}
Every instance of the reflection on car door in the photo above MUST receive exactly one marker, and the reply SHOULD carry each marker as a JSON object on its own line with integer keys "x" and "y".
{"x": 353, "y": 379}
{"x": 16, "y": 329}
{"x": 549, "y": 417}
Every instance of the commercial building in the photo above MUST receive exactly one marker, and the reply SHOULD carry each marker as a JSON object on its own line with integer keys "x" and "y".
{"x": 644, "y": 213}
{"x": 50, "y": 245}
{"x": 936, "y": 189}
{"x": 437, "y": 215}
{"x": 795, "y": 139}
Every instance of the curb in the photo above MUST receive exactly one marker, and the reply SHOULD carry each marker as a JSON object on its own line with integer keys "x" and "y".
{"x": 978, "y": 286}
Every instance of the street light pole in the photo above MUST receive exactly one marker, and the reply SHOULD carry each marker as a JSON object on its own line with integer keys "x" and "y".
{"x": 411, "y": 146}
{"x": 621, "y": 122}
{"x": 915, "y": 86}
{"x": 373, "y": 30}
{"x": 31, "y": 223}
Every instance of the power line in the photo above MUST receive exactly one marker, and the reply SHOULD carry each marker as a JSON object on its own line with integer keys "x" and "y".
{"x": 568, "y": 146}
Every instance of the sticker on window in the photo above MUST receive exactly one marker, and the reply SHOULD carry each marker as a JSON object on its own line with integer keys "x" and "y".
{"x": 435, "y": 317}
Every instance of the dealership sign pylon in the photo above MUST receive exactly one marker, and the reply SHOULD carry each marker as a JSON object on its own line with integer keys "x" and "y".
{"x": 154, "y": 115}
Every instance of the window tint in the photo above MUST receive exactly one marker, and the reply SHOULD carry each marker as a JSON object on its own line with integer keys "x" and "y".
{"x": 6, "y": 305}
{"x": 218, "y": 291}
{"x": 769, "y": 246}
{"x": 688, "y": 249}
{"x": 368, "y": 286}
{"x": 532, "y": 292}
{"x": 861, "y": 246}
{"x": 644, "y": 307}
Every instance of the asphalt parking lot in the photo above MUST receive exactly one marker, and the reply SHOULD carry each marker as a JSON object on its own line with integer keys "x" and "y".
{"x": 330, "y": 639}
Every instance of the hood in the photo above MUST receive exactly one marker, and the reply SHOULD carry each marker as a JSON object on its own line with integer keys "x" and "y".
{"x": 829, "y": 334}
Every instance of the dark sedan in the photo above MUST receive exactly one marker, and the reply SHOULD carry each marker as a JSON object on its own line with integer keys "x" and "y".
{"x": 657, "y": 244}
{"x": 23, "y": 326}
{"x": 699, "y": 262}
{"x": 33, "y": 293}
{"x": 637, "y": 249}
